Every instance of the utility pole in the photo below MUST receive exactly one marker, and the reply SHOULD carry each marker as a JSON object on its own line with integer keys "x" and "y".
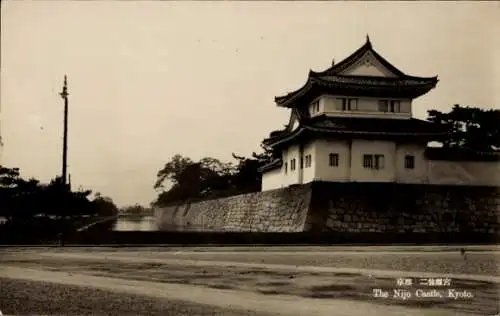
{"x": 64, "y": 94}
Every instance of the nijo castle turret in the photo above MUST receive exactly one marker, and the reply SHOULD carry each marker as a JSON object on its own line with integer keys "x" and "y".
{"x": 353, "y": 123}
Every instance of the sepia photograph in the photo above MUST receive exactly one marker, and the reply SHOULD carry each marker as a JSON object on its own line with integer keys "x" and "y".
{"x": 296, "y": 158}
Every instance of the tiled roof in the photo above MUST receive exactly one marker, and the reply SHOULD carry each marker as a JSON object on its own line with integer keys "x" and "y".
{"x": 331, "y": 80}
{"x": 389, "y": 125}
{"x": 276, "y": 163}
{"x": 362, "y": 127}
{"x": 354, "y": 57}
{"x": 359, "y": 85}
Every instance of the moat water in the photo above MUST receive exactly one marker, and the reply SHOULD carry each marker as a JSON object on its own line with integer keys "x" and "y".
{"x": 146, "y": 223}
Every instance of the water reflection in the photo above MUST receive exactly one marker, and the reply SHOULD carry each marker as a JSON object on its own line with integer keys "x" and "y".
{"x": 146, "y": 223}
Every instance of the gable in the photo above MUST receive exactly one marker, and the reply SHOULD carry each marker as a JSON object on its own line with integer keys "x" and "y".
{"x": 368, "y": 65}
{"x": 294, "y": 122}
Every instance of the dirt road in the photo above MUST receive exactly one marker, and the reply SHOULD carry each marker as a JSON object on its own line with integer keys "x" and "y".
{"x": 223, "y": 287}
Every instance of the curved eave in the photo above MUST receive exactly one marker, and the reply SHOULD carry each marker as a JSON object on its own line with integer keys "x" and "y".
{"x": 272, "y": 142}
{"x": 366, "y": 86}
{"x": 397, "y": 134}
{"x": 275, "y": 164}
{"x": 280, "y": 100}
{"x": 355, "y": 134}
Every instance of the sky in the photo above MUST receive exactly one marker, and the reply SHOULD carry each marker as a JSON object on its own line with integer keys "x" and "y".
{"x": 151, "y": 79}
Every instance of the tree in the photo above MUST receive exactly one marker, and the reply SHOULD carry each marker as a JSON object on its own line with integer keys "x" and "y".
{"x": 192, "y": 180}
{"x": 469, "y": 127}
{"x": 172, "y": 171}
{"x": 209, "y": 177}
{"x": 104, "y": 206}
{"x": 248, "y": 178}
{"x": 134, "y": 209}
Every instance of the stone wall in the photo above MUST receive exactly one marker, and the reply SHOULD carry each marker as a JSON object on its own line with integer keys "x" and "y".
{"x": 281, "y": 210}
{"x": 357, "y": 207}
{"x": 344, "y": 207}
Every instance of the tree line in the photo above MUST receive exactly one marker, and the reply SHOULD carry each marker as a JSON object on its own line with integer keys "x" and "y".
{"x": 29, "y": 207}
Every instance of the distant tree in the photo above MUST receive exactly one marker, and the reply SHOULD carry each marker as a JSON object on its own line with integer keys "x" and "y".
{"x": 104, "y": 206}
{"x": 172, "y": 171}
{"x": 42, "y": 212}
{"x": 9, "y": 177}
{"x": 209, "y": 177}
{"x": 215, "y": 177}
{"x": 133, "y": 209}
{"x": 248, "y": 178}
{"x": 469, "y": 127}
{"x": 191, "y": 180}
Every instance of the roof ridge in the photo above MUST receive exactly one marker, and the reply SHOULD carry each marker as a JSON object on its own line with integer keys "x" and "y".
{"x": 352, "y": 58}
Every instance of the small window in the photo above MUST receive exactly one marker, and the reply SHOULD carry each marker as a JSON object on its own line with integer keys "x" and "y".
{"x": 292, "y": 164}
{"x": 383, "y": 105}
{"x": 334, "y": 160}
{"x": 352, "y": 104}
{"x": 286, "y": 167}
{"x": 315, "y": 107}
{"x": 308, "y": 161}
{"x": 379, "y": 161}
{"x": 302, "y": 162}
{"x": 373, "y": 162}
{"x": 367, "y": 161}
{"x": 349, "y": 104}
{"x": 395, "y": 106}
{"x": 409, "y": 162}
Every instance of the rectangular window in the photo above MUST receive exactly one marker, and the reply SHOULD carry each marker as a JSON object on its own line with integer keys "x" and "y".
{"x": 379, "y": 161}
{"x": 349, "y": 104}
{"x": 383, "y": 105}
{"x": 292, "y": 164}
{"x": 367, "y": 161}
{"x": 352, "y": 104}
{"x": 334, "y": 160}
{"x": 409, "y": 162}
{"x": 373, "y": 162}
{"x": 315, "y": 107}
{"x": 286, "y": 167}
{"x": 395, "y": 106}
{"x": 308, "y": 161}
{"x": 302, "y": 162}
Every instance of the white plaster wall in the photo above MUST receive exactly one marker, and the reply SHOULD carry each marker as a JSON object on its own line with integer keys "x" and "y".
{"x": 322, "y": 169}
{"x": 367, "y": 107}
{"x": 351, "y": 166}
{"x": 291, "y": 177}
{"x": 368, "y": 66}
{"x": 464, "y": 173}
{"x": 272, "y": 179}
{"x": 366, "y": 70}
{"x": 386, "y": 148}
{"x": 417, "y": 175}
